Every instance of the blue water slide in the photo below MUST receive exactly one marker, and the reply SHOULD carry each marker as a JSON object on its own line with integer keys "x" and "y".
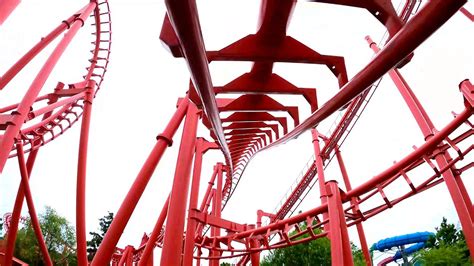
{"x": 409, "y": 250}
{"x": 402, "y": 240}
{"x": 418, "y": 239}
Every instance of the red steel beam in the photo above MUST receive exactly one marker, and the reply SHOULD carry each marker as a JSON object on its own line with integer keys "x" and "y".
{"x": 31, "y": 207}
{"x": 25, "y": 59}
{"x": 468, "y": 14}
{"x": 370, "y": 184}
{"x": 81, "y": 232}
{"x": 111, "y": 238}
{"x": 6, "y": 8}
{"x": 173, "y": 242}
{"x": 193, "y": 202}
{"x": 185, "y": 20}
{"x": 150, "y": 244}
{"x": 416, "y": 31}
{"x": 456, "y": 188}
{"x": 359, "y": 226}
{"x": 30, "y": 96}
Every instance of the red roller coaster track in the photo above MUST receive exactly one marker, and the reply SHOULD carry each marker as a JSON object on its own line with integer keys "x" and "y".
{"x": 191, "y": 231}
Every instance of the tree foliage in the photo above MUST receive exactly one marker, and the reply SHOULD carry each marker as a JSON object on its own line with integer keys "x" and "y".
{"x": 94, "y": 243}
{"x": 59, "y": 237}
{"x": 316, "y": 252}
{"x": 1, "y": 228}
{"x": 447, "y": 247}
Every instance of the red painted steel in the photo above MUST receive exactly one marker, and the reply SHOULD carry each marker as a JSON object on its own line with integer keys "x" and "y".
{"x": 164, "y": 140}
{"x": 81, "y": 232}
{"x": 461, "y": 199}
{"x": 31, "y": 207}
{"x": 173, "y": 242}
{"x": 157, "y": 230}
{"x": 421, "y": 26}
{"x": 241, "y": 127}
{"x": 6, "y": 8}
{"x": 320, "y": 171}
{"x": 468, "y": 14}
{"x": 360, "y": 228}
{"x": 8, "y": 137}
{"x": 201, "y": 147}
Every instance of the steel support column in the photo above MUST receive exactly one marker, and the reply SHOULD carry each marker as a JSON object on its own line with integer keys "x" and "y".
{"x": 81, "y": 232}
{"x": 320, "y": 170}
{"x": 147, "y": 254}
{"x": 111, "y": 238}
{"x": 217, "y": 209}
{"x": 456, "y": 188}
{"x": 341, "y": 253}
{"x": 193, "y": 202}
{"x": 173, "y": 242}
{"x": 359, "y": 226}
{"x": 255, "y": 256}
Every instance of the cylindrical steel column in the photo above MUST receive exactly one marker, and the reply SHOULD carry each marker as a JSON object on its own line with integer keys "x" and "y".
{"x": 320, "y": 170}
{"x": 173, "y": 242}
{"x": 81, "y": 232}
{"x": 340, "y": 244}
{"x": 359, "y": 226}
{"x": 255, "y": 257}
{"x": 106, "y": 249}
{"x": 217, "y": 209}
{"x": 150, "y": 244}
{"x": 193, "y": 202}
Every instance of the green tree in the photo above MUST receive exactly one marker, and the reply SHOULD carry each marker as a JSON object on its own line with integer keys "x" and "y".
{"x": 357, "y": 256}
{"x": 94, "y": 243}
{"x": 447, "y": 247}
{"x": 1, "y": 228}
{"x": 58, "y": 235}
{"x": 316, "y": 252}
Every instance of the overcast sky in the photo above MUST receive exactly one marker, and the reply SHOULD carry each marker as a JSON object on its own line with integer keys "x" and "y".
{"x": 144, "y": 81}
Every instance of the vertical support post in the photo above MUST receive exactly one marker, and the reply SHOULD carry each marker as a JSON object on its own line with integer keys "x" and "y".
{"x": 126, "y": 256}
{"x": 31, "y": 207}
{"x": 359, "y": 226}
{"x": 193, "y": 202}
{"x": 106, "y": 249}
{"x": 255, "y": 256}
{"x": 341, "y": 253}
{"x": 217, "y": 209}
{"x": 81, "y": 232}
{"x": 173, "y": 242}
{"x": 459, "y": 195}
{"x": 130, "y": 256}
{"x": 320, "y": 170}
{"x": 147, "y": 255}
{"x": 149, "y": 260}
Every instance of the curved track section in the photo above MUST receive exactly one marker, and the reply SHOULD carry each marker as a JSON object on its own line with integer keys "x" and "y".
{"x": 239, "y": 127}
{"x": 51, "y": 114}
{"x": 40, "y": 117}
